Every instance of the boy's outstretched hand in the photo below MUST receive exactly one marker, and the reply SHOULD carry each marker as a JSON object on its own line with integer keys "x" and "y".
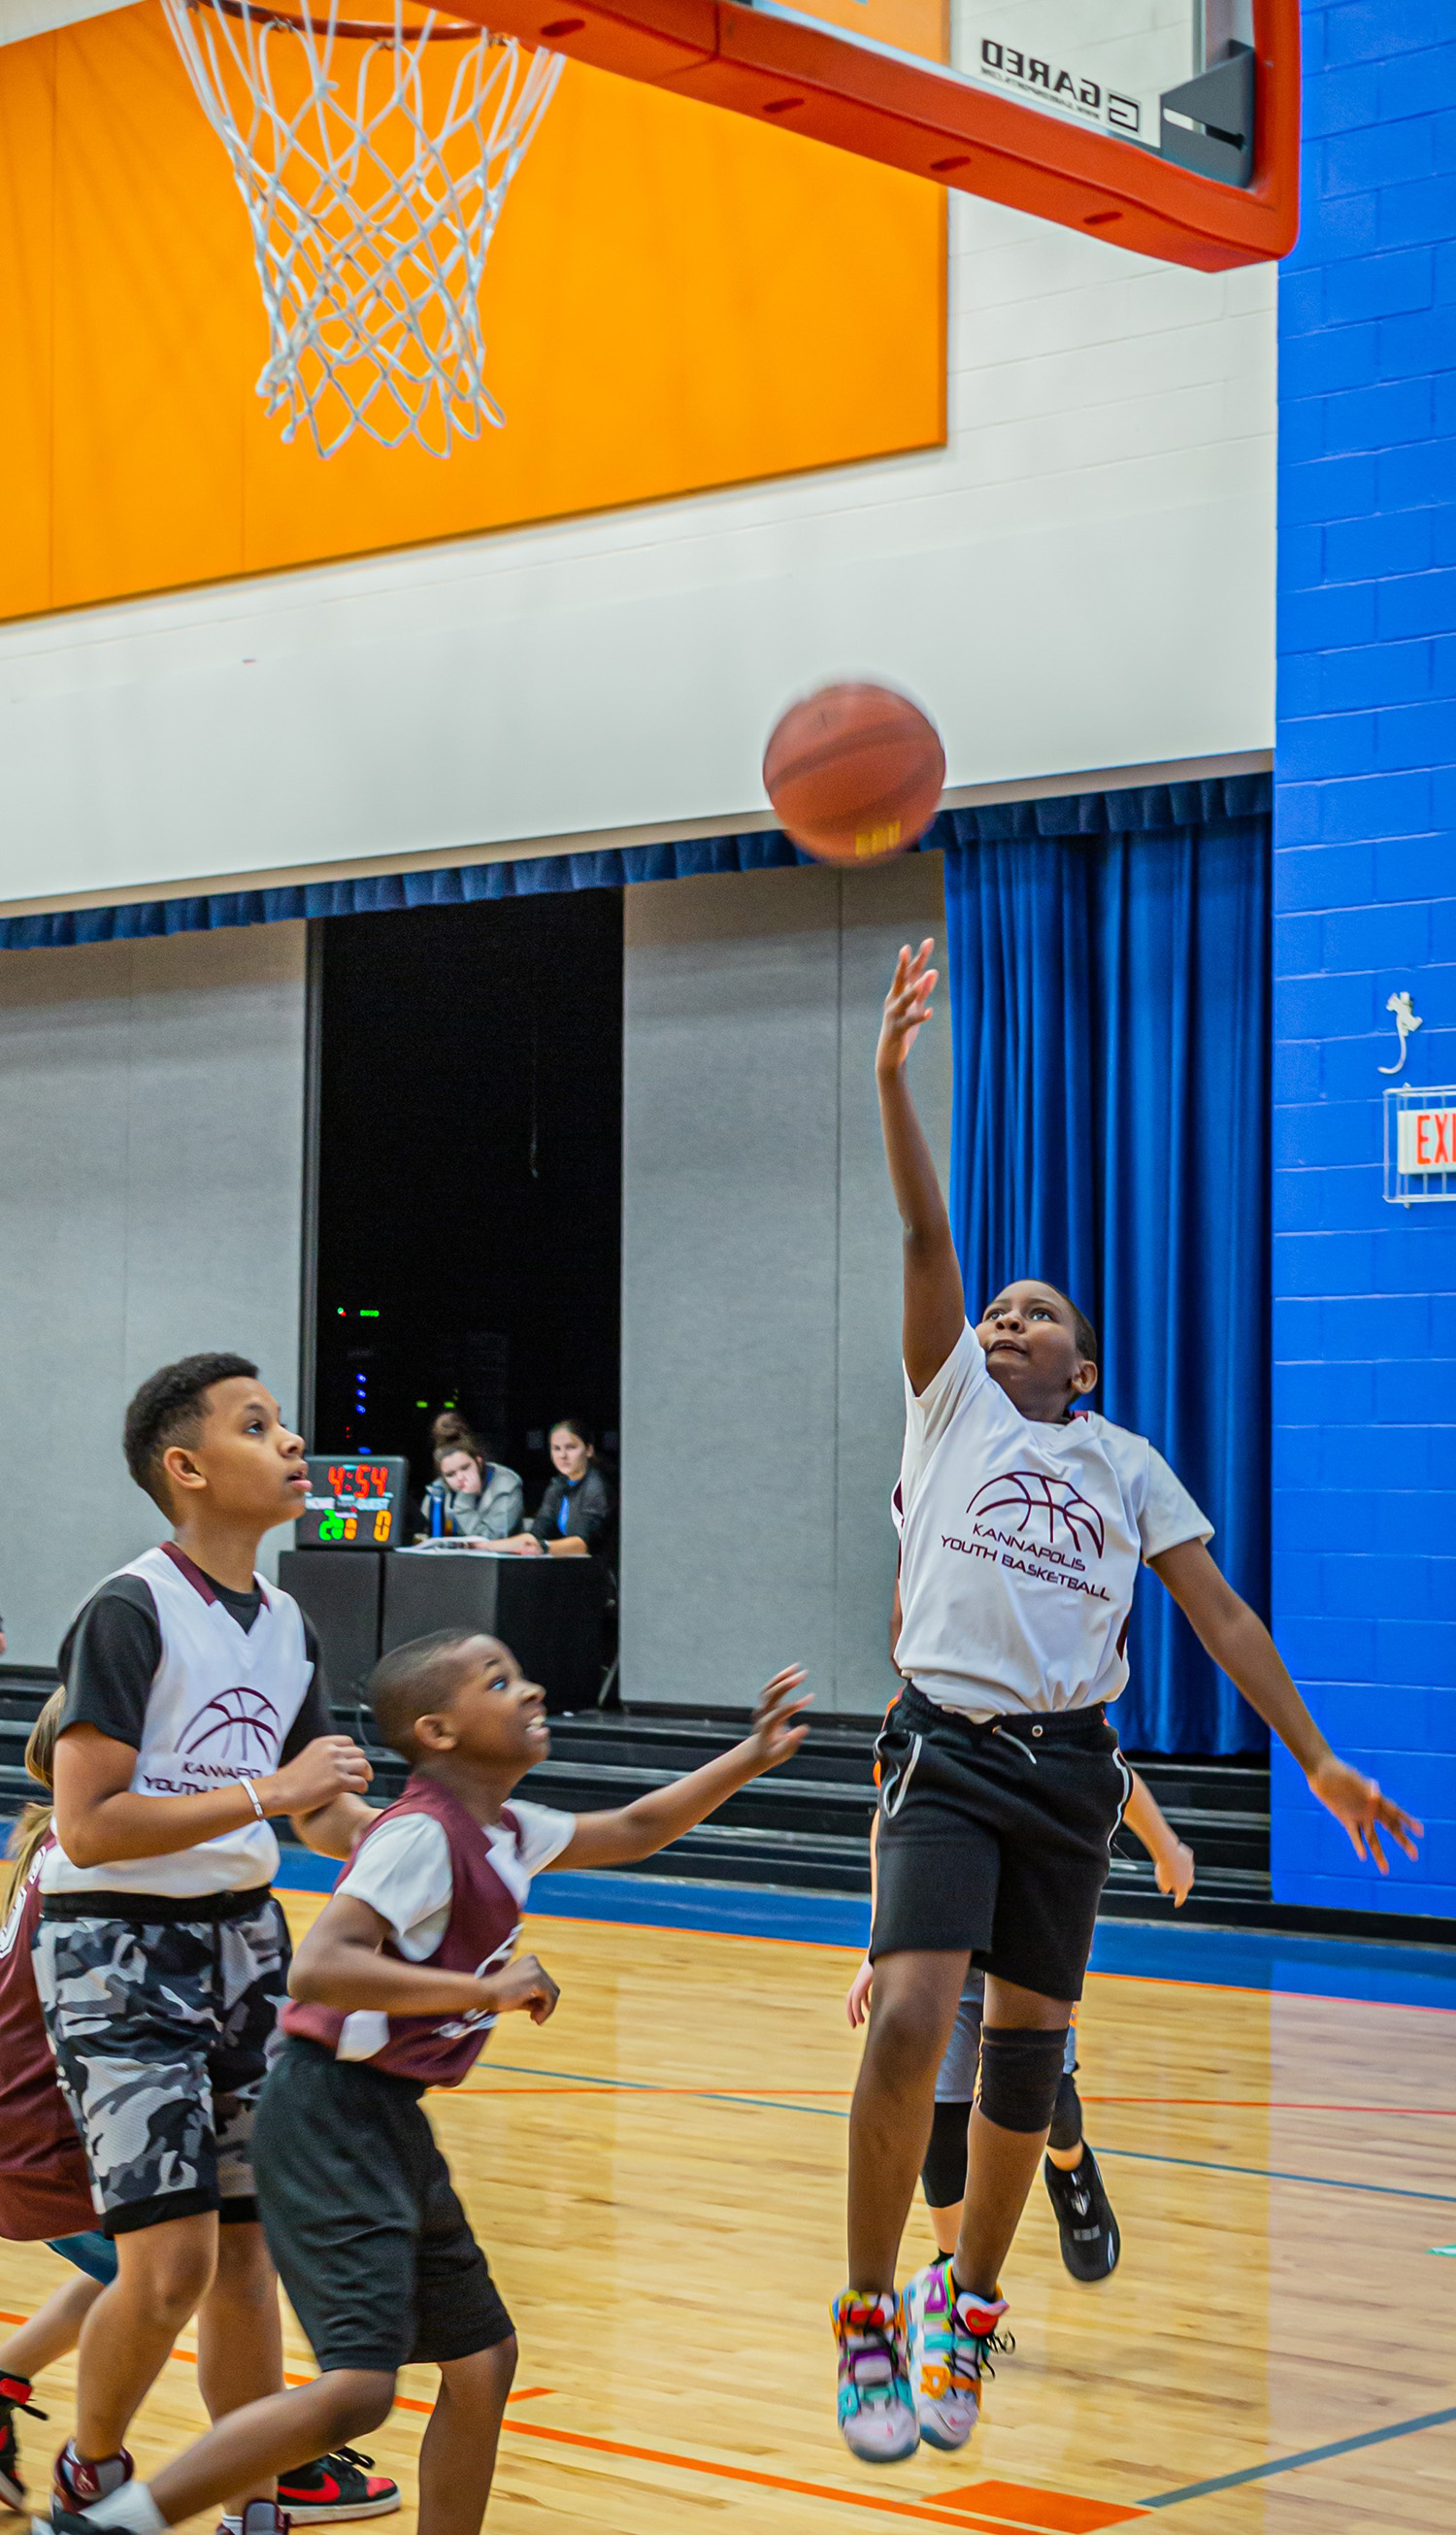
{"x": 1356, "y": 1801}
{"x": 907, "y": 1007}
{"x": 775, "y": 1738}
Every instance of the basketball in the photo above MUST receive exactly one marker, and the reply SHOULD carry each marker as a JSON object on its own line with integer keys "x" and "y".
{"x": 854, "y": 773}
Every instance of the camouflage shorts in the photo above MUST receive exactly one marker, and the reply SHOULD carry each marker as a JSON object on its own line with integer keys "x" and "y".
{"x": 164, "y": 2034}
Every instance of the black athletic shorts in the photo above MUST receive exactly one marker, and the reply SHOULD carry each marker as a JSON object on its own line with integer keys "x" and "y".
{"x": 996, "y": 1838}
{"x": 362, "y": 2219}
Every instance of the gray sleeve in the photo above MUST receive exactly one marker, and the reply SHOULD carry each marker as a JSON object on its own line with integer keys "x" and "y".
{"x": 504, "y": 1506}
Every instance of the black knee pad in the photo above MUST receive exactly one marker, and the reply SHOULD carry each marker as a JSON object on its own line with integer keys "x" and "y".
{"x": 1067, "y": 2120}
{"x": 1020, "y": 2075}
{"x": 943, "y": 2173}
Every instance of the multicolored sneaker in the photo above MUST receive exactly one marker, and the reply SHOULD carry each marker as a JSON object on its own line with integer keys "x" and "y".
{"x": 951, "y": 2333}
{"x": 77, "y": 2486}
{"x": 337, "y": 2485}
{"x": 15, "y": 2397}
{"x": 877, "y": 2411}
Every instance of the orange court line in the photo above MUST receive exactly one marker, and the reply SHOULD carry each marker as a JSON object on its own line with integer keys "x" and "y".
{"x": 760, "y": 2481}
{"x": 931, "y": 2513}
{"x": 1164, "y": 2103}
{"x": 1247, "y": 1988}
{"x": 1144, "y": 1980}
{"x": 614, "y": 2085}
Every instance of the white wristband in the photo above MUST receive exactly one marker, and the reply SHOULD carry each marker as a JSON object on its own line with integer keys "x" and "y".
{"x": 253, "y": 1798}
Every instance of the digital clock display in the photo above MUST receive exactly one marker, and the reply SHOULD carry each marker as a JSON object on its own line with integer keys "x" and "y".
{"x": 353, "y": 1502}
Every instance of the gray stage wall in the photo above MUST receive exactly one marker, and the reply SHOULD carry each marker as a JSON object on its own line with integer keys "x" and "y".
{"x": 761, "y": 1402}
{"x": 151, "y": 1175}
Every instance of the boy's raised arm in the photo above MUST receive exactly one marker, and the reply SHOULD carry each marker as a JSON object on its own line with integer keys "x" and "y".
{"x": 1241, "y": 1644}
{"x": 935, "y": 1298}
{"x": 639, "y": 1830}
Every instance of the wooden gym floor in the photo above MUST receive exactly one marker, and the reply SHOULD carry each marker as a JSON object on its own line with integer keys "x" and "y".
{"x": 657, "y": 2177}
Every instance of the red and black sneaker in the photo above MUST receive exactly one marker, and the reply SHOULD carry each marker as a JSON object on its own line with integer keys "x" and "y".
{"x": 337, "y": 2485}
{"x": 77, "y": 2485}
{"x": 15, "y": 2397}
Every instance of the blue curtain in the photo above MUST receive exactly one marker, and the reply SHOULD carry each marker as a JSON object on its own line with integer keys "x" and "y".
{"x": 1110, "y": 1023}
{"x": 1149, "y": 807}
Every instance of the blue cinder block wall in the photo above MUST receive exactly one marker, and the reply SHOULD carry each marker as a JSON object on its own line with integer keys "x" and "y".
{"x": 1365, "y": 1293}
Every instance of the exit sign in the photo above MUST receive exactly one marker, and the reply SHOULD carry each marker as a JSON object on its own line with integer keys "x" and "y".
{"x": 1425, "y": 1140}
{"x": 1419, "y": 1144}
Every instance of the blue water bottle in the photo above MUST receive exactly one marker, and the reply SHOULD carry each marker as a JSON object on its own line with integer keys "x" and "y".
{"x": 435, "y": 1495}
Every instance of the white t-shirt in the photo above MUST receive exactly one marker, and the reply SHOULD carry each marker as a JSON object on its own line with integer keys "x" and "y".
{"x": 1020, "y": 1543}
{"x": 402, "y": 1869}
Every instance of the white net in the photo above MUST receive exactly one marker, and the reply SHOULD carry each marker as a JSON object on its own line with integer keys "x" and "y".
{"x": 373, "y": 161}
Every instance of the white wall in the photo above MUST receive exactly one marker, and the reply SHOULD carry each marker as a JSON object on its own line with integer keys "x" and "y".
{"x": 1083, "y": 579}
{"x": 150, "y": 1170}
{"x": 761, "y": 1398}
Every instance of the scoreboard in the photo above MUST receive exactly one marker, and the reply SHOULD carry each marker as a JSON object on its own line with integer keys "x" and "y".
{"x": 354, "y": 1504}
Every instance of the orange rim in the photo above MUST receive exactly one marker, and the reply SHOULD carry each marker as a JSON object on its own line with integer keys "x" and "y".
{"x": 363, "y": 31}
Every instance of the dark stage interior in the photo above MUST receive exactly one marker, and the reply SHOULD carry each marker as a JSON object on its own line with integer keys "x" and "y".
{"x": 470, "y": 1179}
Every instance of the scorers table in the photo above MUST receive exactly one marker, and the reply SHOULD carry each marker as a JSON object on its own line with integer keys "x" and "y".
{"x": 364, "y": 1599}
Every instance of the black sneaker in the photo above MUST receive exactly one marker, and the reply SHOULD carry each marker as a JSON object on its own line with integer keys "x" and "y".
{"x": 337, "y": 2485}
{"x": 1090, "y": 2242}
{"x": 15, "y": 2397}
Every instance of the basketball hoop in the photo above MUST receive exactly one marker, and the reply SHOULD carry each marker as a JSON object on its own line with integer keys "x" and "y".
{"x": 373, "y": 193}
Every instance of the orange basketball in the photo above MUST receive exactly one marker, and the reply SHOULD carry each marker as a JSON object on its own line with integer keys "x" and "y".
{"x": 854, "y": 773}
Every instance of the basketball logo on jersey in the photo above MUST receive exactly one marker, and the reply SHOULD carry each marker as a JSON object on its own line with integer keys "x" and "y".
{"x": 1022, "y": 1498}
{"x": 479, "y": 2017}
{"x": 238, "y": 1727}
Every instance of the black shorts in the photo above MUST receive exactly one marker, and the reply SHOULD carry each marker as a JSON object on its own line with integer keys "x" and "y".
{"x": 996, "y": 1838}
{"x": 362, "y": 2219}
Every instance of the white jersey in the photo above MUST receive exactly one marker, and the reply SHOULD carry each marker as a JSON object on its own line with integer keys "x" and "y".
{"x": 1020, "y": 1543}
{"x": 221, "y": 1702}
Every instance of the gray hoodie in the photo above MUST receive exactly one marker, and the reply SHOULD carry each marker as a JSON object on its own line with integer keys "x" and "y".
{"x": 495, "y": 1514}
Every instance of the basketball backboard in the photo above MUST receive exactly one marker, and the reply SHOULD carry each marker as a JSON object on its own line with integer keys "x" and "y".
{"x": 22, "y": 19}
{"x": 1168, "y": 126}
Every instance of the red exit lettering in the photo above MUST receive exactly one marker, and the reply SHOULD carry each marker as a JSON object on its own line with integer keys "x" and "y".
{"x": 1427, "y": 1140}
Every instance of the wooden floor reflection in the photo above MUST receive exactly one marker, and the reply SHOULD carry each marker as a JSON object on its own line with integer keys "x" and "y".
{"x": 657, "y": 2177}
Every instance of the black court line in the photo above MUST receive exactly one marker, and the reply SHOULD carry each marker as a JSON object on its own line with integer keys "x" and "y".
{"x": 1310, "y": 2456}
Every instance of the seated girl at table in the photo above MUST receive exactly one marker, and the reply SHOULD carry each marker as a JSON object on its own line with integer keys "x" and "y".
{"x": 575, "y": 1515}
{"x": 485, "y": 1499}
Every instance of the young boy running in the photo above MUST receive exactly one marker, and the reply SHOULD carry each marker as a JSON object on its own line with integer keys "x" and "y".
{"x": 394, "y": 1989}
{"x": 194, "y": 1710}
{"x": 46, "y": 2188}
{"x": 1002, "y": 1780}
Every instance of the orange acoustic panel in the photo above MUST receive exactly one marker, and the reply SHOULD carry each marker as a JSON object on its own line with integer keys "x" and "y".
{"x": 675, "y": 300}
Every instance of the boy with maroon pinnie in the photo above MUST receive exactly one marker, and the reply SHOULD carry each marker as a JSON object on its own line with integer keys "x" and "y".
{"x": 394, "y": 1989}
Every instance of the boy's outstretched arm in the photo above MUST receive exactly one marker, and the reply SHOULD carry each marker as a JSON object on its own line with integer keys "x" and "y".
{"x": 935, "y": 1298}
{"x": 1239, "y": 1642}
{"x": 1171, "y": 1857}
{"x": 639, "y": 1830}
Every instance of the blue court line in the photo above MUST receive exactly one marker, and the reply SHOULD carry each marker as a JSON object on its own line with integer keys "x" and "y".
{"x": 1219, "y": 1957}
{"x": 1310, "y": 2456}
{"x": 644, "y": 2086}
{"x": 837, "y": 2113}
{"x": 1275, "y": 2174}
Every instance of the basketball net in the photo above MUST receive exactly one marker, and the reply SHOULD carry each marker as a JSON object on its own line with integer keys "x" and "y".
{"x": 373, "y": 187}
